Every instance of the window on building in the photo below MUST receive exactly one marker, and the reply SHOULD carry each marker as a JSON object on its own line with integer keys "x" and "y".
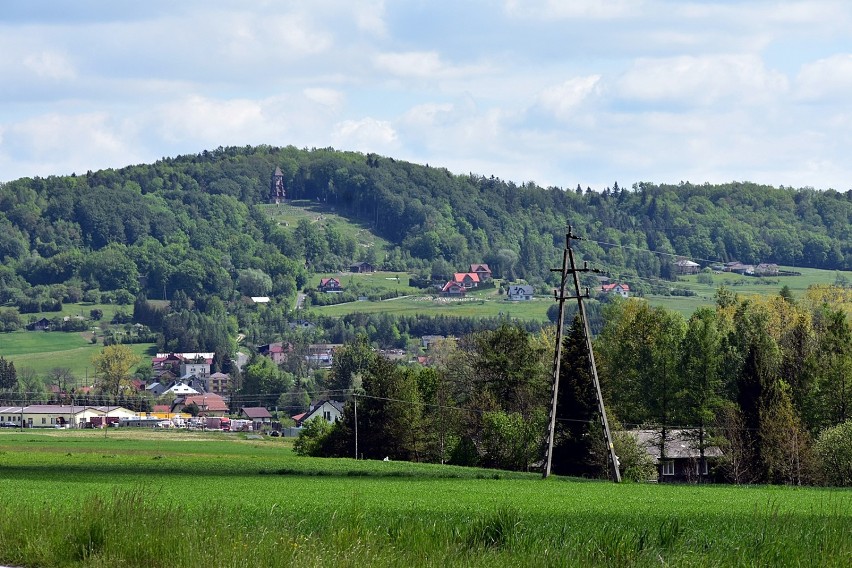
{"x": 327, "y": 415}
{"x": 44, "y": 420}
{"x": 701, "y": 470}
{"x": 668, "y": 468}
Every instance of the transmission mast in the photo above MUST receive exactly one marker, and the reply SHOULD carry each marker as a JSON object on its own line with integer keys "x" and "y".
{"x": 568, "y": 267}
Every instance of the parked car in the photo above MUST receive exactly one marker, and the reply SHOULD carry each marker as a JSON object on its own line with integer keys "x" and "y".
{"x": 8, "y": 425}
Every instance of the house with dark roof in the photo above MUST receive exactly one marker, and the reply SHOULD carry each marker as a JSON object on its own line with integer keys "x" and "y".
{"x": 361, "y": 267}
{"x": 42, "y": 324}
{"x": 258, "y": 415}
{"x": 523, "y": 293}
{"x": 330, "y": 285}
{"x": 679, "y": 459}
{"x": 208, "y": 404}
{"x": 328, "y": 410}
{"x": 482, "y": 271}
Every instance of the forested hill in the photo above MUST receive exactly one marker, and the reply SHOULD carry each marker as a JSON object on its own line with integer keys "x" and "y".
{"x": 193, "y": 223}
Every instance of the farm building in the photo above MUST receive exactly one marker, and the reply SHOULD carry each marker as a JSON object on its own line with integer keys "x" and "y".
{"x": 63, "y": 416}
{"x": 679, "y": 459}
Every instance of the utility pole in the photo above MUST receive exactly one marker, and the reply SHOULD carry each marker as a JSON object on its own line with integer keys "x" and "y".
{"x": 569, "y": 267}
{"x": 355, "y": 401}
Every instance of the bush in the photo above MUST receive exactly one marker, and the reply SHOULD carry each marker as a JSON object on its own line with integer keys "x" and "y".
{"x": 311, "y": 440}
{"x": 834, "y": 454}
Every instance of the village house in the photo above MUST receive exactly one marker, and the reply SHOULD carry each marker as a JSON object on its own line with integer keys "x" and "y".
{"x": 453, "y": 290}
{"x": 219, "y": 383}
{"x": 208, "y": 404}
{"x": 482, "y": 271}
{"x": 427, "y": 340}
{"x": 622, "y": 290}
{"x": 42, "y": 324}
{"x": 362, "y": 267}
{"x": 740, "y": 268}
{"x": 680, "y": 460}
{"x": 766, "y": 269}
{"x": 521, "y": 293}
{"x": 685, "y": 266}
{"x": 258, "y": 415}
{"x": 321, "y": 354}
{"x": 330, "y": 285}
{"x": 181, "y": 364}
{"x": 276, "y": 351}
{"x": 466, "y": 279}
{"x": 328, "y": 410}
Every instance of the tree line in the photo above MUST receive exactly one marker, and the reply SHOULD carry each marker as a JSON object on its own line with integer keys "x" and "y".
{"x": 768, "y": 380}
{"x": 196, "y": 224}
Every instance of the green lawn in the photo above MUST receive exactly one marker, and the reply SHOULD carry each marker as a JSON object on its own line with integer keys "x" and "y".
{"x": 181, "y": 499}
{"x": 42, "y": 351}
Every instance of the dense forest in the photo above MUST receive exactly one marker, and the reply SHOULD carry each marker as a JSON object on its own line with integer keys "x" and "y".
{"x": 193, "y": 224}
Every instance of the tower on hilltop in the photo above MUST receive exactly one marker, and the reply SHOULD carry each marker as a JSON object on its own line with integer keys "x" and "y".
{"x": 277, "y": 193}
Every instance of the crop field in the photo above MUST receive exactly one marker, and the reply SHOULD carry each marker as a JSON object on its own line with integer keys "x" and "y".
{"x": 42, "y": 351}
{"x": 133, "y": 498}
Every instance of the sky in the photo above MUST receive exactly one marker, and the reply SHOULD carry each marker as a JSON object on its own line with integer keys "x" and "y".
{"x": 558, "y": 93}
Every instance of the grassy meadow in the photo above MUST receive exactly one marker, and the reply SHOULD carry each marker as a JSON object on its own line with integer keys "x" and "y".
{"x": 45, "y": 350}
{"x": 288, "y": 215}
{"x": 133, "y": 498}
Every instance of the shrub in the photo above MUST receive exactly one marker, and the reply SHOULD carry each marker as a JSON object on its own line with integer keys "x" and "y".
{"x": 834, "y": 454}
{"x": 311, "y": 440}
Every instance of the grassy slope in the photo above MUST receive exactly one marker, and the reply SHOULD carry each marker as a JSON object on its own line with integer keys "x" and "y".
{"x": 42, "y": 351}
{"x": 213, "y": 494}
{"x": 288, "y": 215}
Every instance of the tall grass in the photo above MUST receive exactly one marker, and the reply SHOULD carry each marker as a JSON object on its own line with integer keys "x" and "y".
{"x": 145, "y": 499}
{"x": 133, "y": 527}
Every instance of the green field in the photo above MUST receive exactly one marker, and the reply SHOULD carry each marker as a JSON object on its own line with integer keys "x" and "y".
{"x": 185, "y": 499}
{"x": 81, "y": 309}
{"x": 42, "y": 351}
{"x": 744, "y": 285}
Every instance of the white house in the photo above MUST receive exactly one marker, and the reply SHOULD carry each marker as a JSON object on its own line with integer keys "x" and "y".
{"x": 622, "y": 290}
{"x": 520, "y": 293}
{"x": 328, "y": 410}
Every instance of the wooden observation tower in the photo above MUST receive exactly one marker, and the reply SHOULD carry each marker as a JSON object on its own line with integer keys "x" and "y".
{"x": 277, "y": 193}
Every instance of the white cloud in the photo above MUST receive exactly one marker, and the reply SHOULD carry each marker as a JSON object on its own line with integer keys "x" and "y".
{"x": 370, "y": 18}
{"x": 208, "y": 120}
{"x": 825, "y": 79}
{"x": 331, "y": 98}
{"x": 366, "y": 135}
{"x": 570, "y": 9}
{"x": 61, "y": 143}
{"x": 50, "y": 65}
{"x": 422, "y": 65}
{"x": 690, "y": 81}
{"x": 562, "y": 100}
